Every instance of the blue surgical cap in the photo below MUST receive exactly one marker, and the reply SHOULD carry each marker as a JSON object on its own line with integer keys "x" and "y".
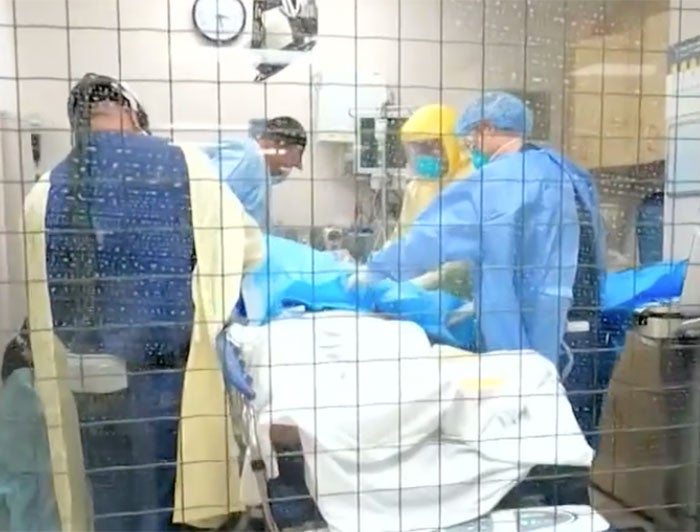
{"x": 502, "y": 110}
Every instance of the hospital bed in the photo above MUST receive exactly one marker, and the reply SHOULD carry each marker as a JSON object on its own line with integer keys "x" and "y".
{"x": 551, "y": 498}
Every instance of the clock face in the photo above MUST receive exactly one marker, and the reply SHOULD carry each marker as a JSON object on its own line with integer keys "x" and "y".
{"x": 219, "y": 21}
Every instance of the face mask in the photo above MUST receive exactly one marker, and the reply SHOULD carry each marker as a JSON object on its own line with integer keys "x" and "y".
{"x": 427, "y": 166}
{"x": 277, "y": 178}
{"x": 479, "y": 158}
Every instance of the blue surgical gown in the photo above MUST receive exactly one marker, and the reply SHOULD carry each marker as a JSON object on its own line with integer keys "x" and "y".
{"x": 131, "y": 203}
{"x": 517, "y": 221}
{"x": 242, "y": 167}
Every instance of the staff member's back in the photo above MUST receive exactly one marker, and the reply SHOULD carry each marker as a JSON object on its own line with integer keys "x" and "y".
{"x": 122, "y": 242}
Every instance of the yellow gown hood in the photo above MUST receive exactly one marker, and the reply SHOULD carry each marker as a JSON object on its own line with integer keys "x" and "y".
{"x": 431, "y": 122}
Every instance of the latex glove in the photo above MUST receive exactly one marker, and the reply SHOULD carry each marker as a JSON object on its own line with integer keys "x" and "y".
{"x": 460, "y": 314}
{"x": 360, "y": 279}
{"x": 343, "y": 254}
{"x": 452, "y": 277}
{"x": 233, "y": 366}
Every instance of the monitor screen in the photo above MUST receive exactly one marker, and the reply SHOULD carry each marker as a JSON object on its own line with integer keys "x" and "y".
{"x": 395, "y": 154}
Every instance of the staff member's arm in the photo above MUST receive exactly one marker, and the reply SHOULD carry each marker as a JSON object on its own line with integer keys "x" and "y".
{"x": 472, "y": 220}
{"x": 447, "y": 230}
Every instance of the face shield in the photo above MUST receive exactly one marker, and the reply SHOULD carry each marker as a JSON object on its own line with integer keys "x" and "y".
{"x": 426, "y": 159}
{"x": 286, "y": 158}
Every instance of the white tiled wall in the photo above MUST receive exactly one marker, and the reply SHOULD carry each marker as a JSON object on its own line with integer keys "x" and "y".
{"x": 428, "y": 50}
{"x": 7, "y": 103}
{"x": 12, "y": 187}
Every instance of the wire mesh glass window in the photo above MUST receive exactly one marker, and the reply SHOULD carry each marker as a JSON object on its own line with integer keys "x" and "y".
{"x": 349, "y": 264}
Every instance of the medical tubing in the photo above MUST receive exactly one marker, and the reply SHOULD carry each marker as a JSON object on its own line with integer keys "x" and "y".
{"x": 566, "y": 370}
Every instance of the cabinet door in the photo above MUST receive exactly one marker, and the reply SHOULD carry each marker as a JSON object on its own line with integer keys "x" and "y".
{"x": 616, "y": 102}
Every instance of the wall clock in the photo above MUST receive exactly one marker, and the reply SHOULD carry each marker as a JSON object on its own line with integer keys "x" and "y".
{"x": 219, "y": 21}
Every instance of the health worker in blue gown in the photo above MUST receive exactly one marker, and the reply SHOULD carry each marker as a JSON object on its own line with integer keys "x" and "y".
{"x": 527, "y": 219}
{"x": 251, "y": 166}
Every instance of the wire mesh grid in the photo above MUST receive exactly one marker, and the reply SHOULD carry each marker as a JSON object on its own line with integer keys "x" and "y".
{"x": 380, "y": 405}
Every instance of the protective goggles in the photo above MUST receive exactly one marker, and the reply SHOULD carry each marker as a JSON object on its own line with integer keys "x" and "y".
{"x": 428, "y": 147}
{"x": 467, "y": 144}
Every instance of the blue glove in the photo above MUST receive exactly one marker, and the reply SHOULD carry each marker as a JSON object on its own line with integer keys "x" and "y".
{"x": 233, "y": 366}
{"x": 460, "y": 314}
